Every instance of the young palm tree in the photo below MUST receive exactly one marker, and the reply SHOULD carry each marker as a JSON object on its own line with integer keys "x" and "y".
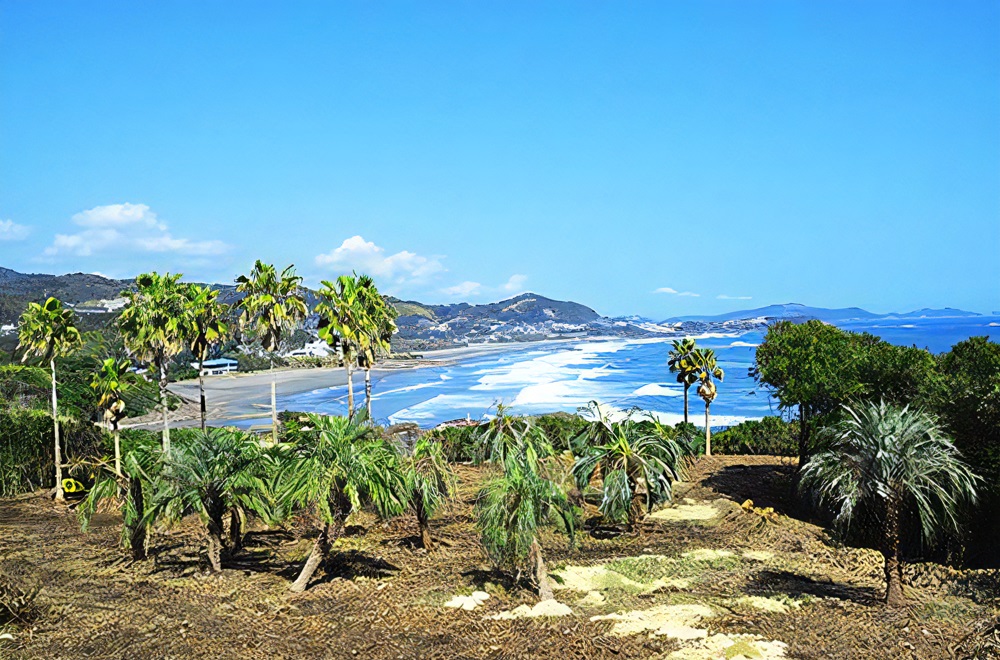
{"x": 892, "y": 460}
{"x": 381, "y": 326}
{"x": 125, "y": 486}
{"x": 708, "y": 372}
{"x": 430, "y": 483}
{"x": 205, "y": 325}
{"x": 681, "y": 363}
{"x": 508, "y": 436}
{"x": 213, "y": 473}
{"x": 272, "y": 305}
{"x": 338, "y": 465}
{"x": 152, "y": 326}
{"x": 344, "y": 321}
{"x": 110, "y": 385}
{"x": 47, "y": 331}
{"x": 511, "y": 509}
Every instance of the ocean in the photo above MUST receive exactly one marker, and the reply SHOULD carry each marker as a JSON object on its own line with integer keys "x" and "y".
{"x": 618, "y": 373}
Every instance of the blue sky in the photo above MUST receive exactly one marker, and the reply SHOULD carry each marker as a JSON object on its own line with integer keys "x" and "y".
{"x": 618, "y": 154}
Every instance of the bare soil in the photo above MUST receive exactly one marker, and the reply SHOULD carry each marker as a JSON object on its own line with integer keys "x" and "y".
{"x": 380, "y": 596}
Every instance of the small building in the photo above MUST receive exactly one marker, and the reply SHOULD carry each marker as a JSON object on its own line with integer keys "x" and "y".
{"x": 217, "y": 367}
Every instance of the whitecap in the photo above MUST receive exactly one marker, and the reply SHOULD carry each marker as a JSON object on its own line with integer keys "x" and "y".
{"x": 656, "y": 389}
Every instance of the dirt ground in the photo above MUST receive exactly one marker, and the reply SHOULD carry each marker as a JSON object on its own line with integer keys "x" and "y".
{"x": 704, "y": 578}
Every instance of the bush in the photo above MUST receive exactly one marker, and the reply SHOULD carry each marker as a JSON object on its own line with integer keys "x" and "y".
{"x": 561, "y": 428}
{"x": 250, "y": 362}
{"x": 771, "y": 435}
{"x": 458, "y": 443}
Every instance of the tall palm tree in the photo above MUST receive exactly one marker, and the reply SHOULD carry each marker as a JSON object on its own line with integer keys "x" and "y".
{"x": 381, "y": 325}
{"x": 213, "y": 473}
{"x": 680, "y": 361}
{"x": 152, "y": 325}
{"x": 338, "y": 465}
{"x": 637, "y": 461}
{"x": 272, "y": 305}
{"x": 344, "y": 322}
{"x": 205, "y": 324}
{"x": 47, "y": 331}
{"x": 431, "y": 482}
{"x": 708, "y": 372}
{"x": 892, "y": 461}
{"x": 110, "y": 385}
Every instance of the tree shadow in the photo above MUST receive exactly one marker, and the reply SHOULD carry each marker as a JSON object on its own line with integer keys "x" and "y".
{"x": 345, "y": 565}
{"x": 795, "y": 585}
{"x": 767, "y": 485}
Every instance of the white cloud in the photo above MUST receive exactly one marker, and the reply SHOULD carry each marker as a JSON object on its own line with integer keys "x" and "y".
{"x": 127, "y": 227}
{"x": 11, "y": 231}
{"x": 723, "y": 296}
{"x": 675, "y": 292}
{"x": 363, "y": 256}
{"x": 463, "y": 289}
{"x": 515, "y": 284}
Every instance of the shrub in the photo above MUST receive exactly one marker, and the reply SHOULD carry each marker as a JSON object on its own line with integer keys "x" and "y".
{"x": 458, "y": 443}
{"x": 770, "y": 435}
{"x": 561, "y": 428}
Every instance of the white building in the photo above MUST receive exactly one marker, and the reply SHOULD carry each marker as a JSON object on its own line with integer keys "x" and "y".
{"x": 217, "y": 367}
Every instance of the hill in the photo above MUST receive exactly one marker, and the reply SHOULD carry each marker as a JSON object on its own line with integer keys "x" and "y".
{"x": 797, "y": 311}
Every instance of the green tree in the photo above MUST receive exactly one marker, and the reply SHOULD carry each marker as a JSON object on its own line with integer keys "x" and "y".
{"x": 47, "y": 331}
{"x": 430, "y": 483}
{"x": 213, "y": 473}
{"x": 680, "y": 361}
{"x": 338, "y": 465}
{"x": 893, "y": 460}
{"x": 152, "y": 326}
{"x": 507, "y": 436}
{"x": 110, "y": 383}
{"x": 205, "y": 322}
{"x": 380, "y": 326}
{"x": 344, "y": 322}
{"x": 272, "y": 305}
{"x": 637, "y": 462}
{"x": 708, "y": 372}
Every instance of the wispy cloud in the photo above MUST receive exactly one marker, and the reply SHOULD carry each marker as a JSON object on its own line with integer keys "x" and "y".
{"x": 474, "y": 290}
{"x": 357, "y": 254}
{"x": 127, "y": 228}
{"x": 723, "y": 296}
{"x": 462, "y": 290}
{"x": 675, "y": 292}
{"x": 11, "y": 231}
{"x": 515, "y": 284}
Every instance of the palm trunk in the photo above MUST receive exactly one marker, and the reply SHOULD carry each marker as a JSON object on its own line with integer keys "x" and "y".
{"x": 893, "y": 571}
{"x": 201, "y": 391}
{"x": 137, "y": 533}
{"x": 118, "y": 450}
{"x": 686, "y": 388}
{"x": 368, "y": 391}
{"x": 422, "y": 522}
{"x": 350, "y": 389}
{"x": 541, "y": 574}
{"x": 55, "y": 428}
{"x": 274, "y": 406}
{"x": 163, "y": 404}
{"x": 235, "y": 533}
{"x": 708, "y": 432}
{"x": 215, "y": 546}
{"x": 328, "y": 534}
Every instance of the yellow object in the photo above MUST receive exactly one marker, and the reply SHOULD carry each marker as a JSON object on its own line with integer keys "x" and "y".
{"x": 72, "y": 486}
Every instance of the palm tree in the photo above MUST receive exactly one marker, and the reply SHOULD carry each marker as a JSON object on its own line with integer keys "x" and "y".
{"x": 708, "y": 372}
{"x": 893, "y": 461}
{"x": 205, "y": 325}
{"x": 431, "y": 481}
{"x": 511, "y": 509}
{"x": 126, "y": 486}
{"x": 338, "y": 465}
{"x": 110, "y": 385}
{"x": 152, "y": 326}
{"x": 508, "y": 436}
{"x": 213, "y": 473}
{"x": 344, "y": 321}
{"x": 637, "y": 462}
{"x": 681, "y": 363}
{"x": 47, "y": 331}
{"x": 272, "y": 304}
{"x": 381, "y": 326}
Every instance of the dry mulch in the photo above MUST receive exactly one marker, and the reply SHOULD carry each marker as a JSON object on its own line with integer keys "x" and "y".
{"x": 381, "y": 597}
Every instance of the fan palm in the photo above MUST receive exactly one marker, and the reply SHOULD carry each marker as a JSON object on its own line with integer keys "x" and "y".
{"x": 431, "y": 482}
{"x": 212, "y": 473}
{"x": 345, "y": 322}
{"x": 110, "y": 385}
{"x": 205, "y": 325}
{"x": 708, "y": 372}
{"x": 637, "y": 462}
{"x": 272, "y": 304}
{"x": 893, "y": 461}
{"x": 338, "y": 465}
{"x": 47, "y": 331}
{"x": 681, "y": 363}
{"x": 126, "y": 485}
{"x": 511, "y": 509}
{"x": 381, "y": 326}
{"x": 152, "y": 326}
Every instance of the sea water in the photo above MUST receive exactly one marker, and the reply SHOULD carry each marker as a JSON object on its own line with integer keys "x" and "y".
{"x": 620, "y": 374}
